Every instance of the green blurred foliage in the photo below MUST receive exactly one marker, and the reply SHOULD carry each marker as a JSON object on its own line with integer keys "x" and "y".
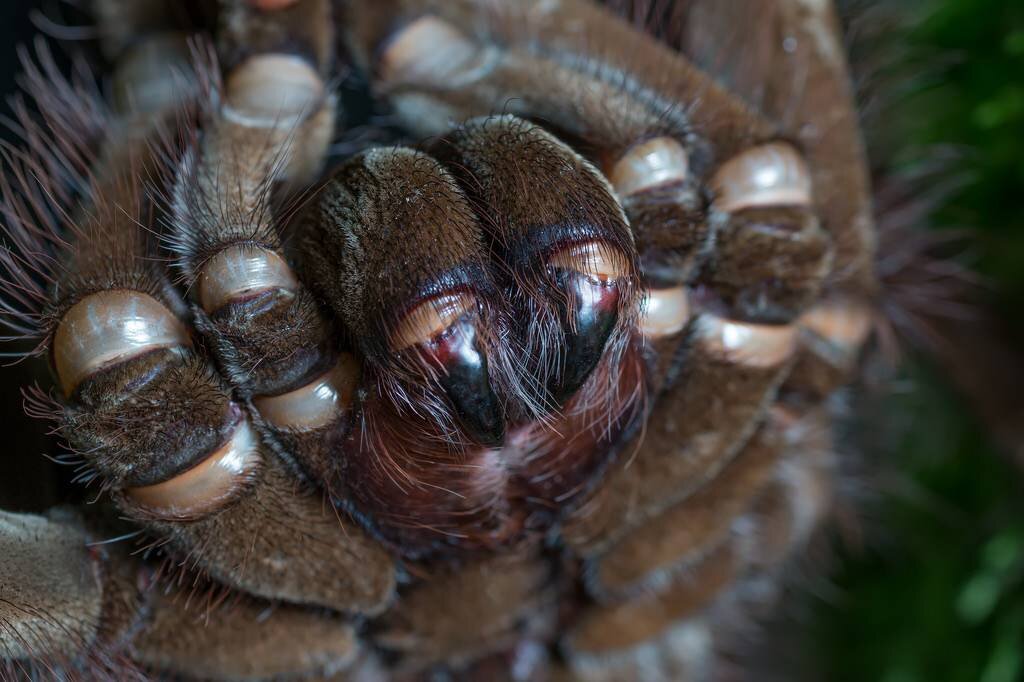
{"x": 940, "y": 593}
{"x": 976, "y": 103}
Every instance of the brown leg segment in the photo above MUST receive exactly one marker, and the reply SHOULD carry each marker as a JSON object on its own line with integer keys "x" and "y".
{"x": 771, "y": 257}
{"x": 684, "y": 652}
{"x": 240, "y": 640}
{"x": 281, "y": 540}
{"x": 272, "y": 125}
{"x": 789, "y": 62}
{"x": 618, "y": 627}
{"x": 564, "y": 63}
{"x": 51, "y": 590}
{"x": 689, "y": 529}
{"x": 716, "y": 573}
{"x": 456, "y": 617}
{"x": 731, "y": 373}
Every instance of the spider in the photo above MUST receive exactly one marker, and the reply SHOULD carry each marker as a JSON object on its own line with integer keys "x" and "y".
{"x": 534, "y": 377}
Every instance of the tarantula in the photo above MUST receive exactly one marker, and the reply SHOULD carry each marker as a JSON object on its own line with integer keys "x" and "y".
{"x": 541, "y": 386}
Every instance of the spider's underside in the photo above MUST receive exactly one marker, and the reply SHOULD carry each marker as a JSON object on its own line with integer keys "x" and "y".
{"x": 546, "y": 391}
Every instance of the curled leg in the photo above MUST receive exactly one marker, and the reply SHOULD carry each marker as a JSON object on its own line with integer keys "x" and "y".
{"x": 270, "y": 125}
{"x": 709, "y": 571}
{"x": 70, "y": 605}
{"x": 141, "y": 401}
{"x": 455, "y": 618}
{"x": 51, "y": 590}
{"x": 787, "y": 60}
{"x": 731, "y": 373}
{"x": 243, "y": 639}
{"x": 689, "y": 529}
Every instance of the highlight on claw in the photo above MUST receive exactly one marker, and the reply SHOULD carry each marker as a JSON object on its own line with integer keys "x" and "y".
{"x": 769, "y": 175}
{"x": 208, "y": 486}
{"x": 110, "y": 327}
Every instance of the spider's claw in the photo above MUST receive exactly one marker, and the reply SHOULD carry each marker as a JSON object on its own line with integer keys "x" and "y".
{"x": 587, "y": 324}
{"x": 468, "y": 385}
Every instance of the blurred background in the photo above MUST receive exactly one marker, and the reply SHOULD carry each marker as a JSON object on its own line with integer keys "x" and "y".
{"x": 934, "y": 590}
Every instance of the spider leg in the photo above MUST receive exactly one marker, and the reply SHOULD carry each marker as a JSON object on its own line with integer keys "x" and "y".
{"x": 140, "y": 400}
{"x": 787, "y": 59}
{"x": 51, "y": 588}
{"x": 74, "y": 605}
{"x": 731, "y": 374}
{"x": 457, "y": 617}
{"x": 690, "y": 528}
{"x": 700, "y": 576}
{"x": 267, "y": 127}
{"x": 242, "y": 639}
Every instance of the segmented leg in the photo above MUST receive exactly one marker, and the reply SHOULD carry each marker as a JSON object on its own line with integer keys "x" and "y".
{"x": 241, "y": 640}
{"x": 506, "y": 599}
{"x": 685, "y": 530}
{"x": 51, "y": 589}
{"x": 786, "y": 58}
{"x": 70, "y": 605}
{"x": 271, "y": 123}
{"x": 688, "y": 588}
{"x": 142, "y": 402}
{"x": 732, "y": 372}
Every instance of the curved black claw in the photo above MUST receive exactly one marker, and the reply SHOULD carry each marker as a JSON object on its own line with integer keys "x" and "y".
{"x": 467, "y": 383}
{"x": 587, "y": 325}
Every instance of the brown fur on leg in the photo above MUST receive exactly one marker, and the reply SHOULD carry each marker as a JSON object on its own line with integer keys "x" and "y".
{"x": 242, "y": 640}
{"x": 65, "y": 605}
{"x": 457, "y": 616}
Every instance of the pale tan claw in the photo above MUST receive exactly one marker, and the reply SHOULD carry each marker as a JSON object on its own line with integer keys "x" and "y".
{"x": 241, "y": 271}
{"x": 316, "y": 404}
{"x": 208, "y": 485}
{"x": 430, "y": 318}
{"x": 742, "y": 343}
{"x": 655, "y": 163}
{"x": 770, "y": 175}
{"x": 430, "y": 50}
{"x": 664, "y": 312}
{"x": 274, "y": 89}
{"x": 109, "y": 327}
